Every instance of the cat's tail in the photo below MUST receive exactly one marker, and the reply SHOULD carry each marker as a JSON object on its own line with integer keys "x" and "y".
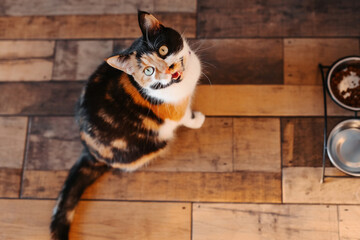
{"x": 85, "y": 171}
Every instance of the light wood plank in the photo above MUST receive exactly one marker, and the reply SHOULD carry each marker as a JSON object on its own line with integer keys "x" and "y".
{"x": 349, "y": 217}
{"x": 263, "y": 100}
{"x": 10, "y": 183}
{"x": 302, "y": 57}
{"x": 257, "y": 144}
{"x": 165, "y": 186}
{"x": 75, "y": 7}
{"x": 77, "y": 60}
{"x": 30, "y": 219}
{"x": 250, "y": 221}
{"x": 12, "y": 141}
{"x": 26, "y": 49}
{"x": 208, "y": 149}
{"x": 26, "y": 70}
{"x": 302, "y": 185}
{"x": 88, "y": 26}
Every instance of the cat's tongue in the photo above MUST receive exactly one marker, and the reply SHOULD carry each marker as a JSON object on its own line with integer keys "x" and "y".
{"x": 175, "y": 75}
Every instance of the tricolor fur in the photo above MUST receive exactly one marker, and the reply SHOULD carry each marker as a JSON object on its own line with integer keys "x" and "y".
{"x": 129, "y": 110}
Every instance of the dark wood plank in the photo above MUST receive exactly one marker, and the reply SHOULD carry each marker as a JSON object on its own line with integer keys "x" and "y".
{"x": 77, "y": 60}
{"x": 241, "y": 61}
{"x": 75, "y": 7}
{"x": 54, "y": 143}
{"x": 276, "y": 18}
{"x": 303, "y": 139}
{"x": 10, "y": 182}
{"x": 12, "y": 141}
{"x": 39, "y": 98}
{"x": 88, "y": 26}
{"x": 164, "y": 186}
{"x": 302, "y": 57}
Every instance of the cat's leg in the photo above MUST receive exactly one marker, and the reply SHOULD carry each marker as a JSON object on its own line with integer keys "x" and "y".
{"x": 84, "y": 172}
{"x": 193, "y": 119}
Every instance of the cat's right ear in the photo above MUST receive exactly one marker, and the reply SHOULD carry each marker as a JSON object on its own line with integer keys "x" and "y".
{"x": 149, "y": 25}
{"x": 122, "y": 62}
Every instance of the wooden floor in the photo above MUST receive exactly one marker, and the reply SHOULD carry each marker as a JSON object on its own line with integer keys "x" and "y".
{"x": 251, "y": 172}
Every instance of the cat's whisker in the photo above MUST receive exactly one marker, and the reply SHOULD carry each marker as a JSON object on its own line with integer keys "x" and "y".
{"x": 207, "y": 78}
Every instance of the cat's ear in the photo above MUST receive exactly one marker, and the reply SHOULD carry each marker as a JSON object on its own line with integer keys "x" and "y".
{"x": 149, "y": 25}
{"x": 122, "y": 62}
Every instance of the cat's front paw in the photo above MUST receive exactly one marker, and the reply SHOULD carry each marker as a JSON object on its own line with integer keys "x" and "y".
{"x": 196, "y": 121}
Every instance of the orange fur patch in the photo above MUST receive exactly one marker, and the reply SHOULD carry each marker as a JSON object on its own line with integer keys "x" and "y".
{"x": 164, "y": 111}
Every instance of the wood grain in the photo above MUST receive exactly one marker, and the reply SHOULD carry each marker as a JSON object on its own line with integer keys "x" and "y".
{"x": 39, "y": 98}
{"x": 10, "y": 183}
{"x": 26, "y": 70}
{"x": 12, "y": 141}
{"x": 257, "y": 144}
{"x": 302, "y": 57}
{"x": 208, "y": 149}
{"x": 29, "y": 219}
{"x": 349, "y": 222}
{"x": 257, "y": 61}
{"x": 88, "y": 26}
{"x": 303, "y": 141}
{"x": 54, "y": 143}
{"x": 164, "y": 186}
{"x": 302, "y": 185}
{"x": 263, "y": 100}
{"x": 73, "y": 7}
{"x": 26, "y": 49}
{"x": 261, "y": 221}
{"x": 278, "y": 18}
{"x": 77, "y": 60}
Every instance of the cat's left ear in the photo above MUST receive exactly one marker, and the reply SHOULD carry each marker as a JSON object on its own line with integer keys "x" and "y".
{"x": 122, "y": 62}
{"x": 149, "y": 25}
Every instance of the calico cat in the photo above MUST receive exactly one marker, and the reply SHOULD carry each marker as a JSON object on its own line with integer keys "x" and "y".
{"x": 129, "y": 110}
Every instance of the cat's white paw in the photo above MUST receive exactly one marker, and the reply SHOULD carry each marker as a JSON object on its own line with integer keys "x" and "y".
{"x": 196, "y": 121}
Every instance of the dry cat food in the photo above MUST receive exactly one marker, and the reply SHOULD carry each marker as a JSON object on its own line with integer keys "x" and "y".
{"x": 345, "y": 84}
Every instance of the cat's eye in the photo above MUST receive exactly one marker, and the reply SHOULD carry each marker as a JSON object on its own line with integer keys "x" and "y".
{"x": 149, "y": 71}
{"x": 163, "y": 50}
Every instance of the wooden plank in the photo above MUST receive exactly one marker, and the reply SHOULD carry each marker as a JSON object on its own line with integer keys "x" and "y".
{"x": 26, "y": 70}
{"x": 250, "y": 221}
{"x": 276, "y": 18}
{"x": 257, "y": 144}
{"x": 10, "y": 183}
{"x": 263, "y": 100}
{"x": 39, "y": 98}
{"x": 54, "y": 143}
{"x": 208, "y": 149}
{"x": 26, "y": 49}
{"x": 303, "y": 141}
{"x": 73, "y": 7}
{"x": 302, "y": 185}
{"x": 77, "y": 60}
{"x": 12, "y": 141}
{"x": 260, "y": 61}
{"x": 302, "y": 57}
{"x": 164, "y": 186}
{"x": 349, "y": 222}
{"x": 97, "y": 220}
{"x": 88, "y": 26}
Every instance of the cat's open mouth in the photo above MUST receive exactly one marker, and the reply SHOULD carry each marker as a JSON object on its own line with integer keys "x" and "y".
{"x": 175, "y": 78}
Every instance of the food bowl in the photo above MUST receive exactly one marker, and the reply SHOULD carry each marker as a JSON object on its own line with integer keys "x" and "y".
{"x": 343, "y": 146}
{"x": 343, "y": 82}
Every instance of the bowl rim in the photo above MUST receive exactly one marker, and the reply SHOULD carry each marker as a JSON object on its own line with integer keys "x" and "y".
{"x": 328, "y": 80}
{"x": 331, "y": 135}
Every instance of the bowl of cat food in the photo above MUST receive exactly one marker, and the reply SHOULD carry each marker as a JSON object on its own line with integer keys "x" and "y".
{"x": 343, "y": 82}
{"x": 343, "y": 146}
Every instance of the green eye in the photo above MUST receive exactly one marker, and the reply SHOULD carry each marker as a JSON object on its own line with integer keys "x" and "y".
{"x": 149, "y": 71}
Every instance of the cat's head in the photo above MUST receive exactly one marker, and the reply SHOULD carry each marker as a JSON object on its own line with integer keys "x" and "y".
{"x": 161, "y": 62}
